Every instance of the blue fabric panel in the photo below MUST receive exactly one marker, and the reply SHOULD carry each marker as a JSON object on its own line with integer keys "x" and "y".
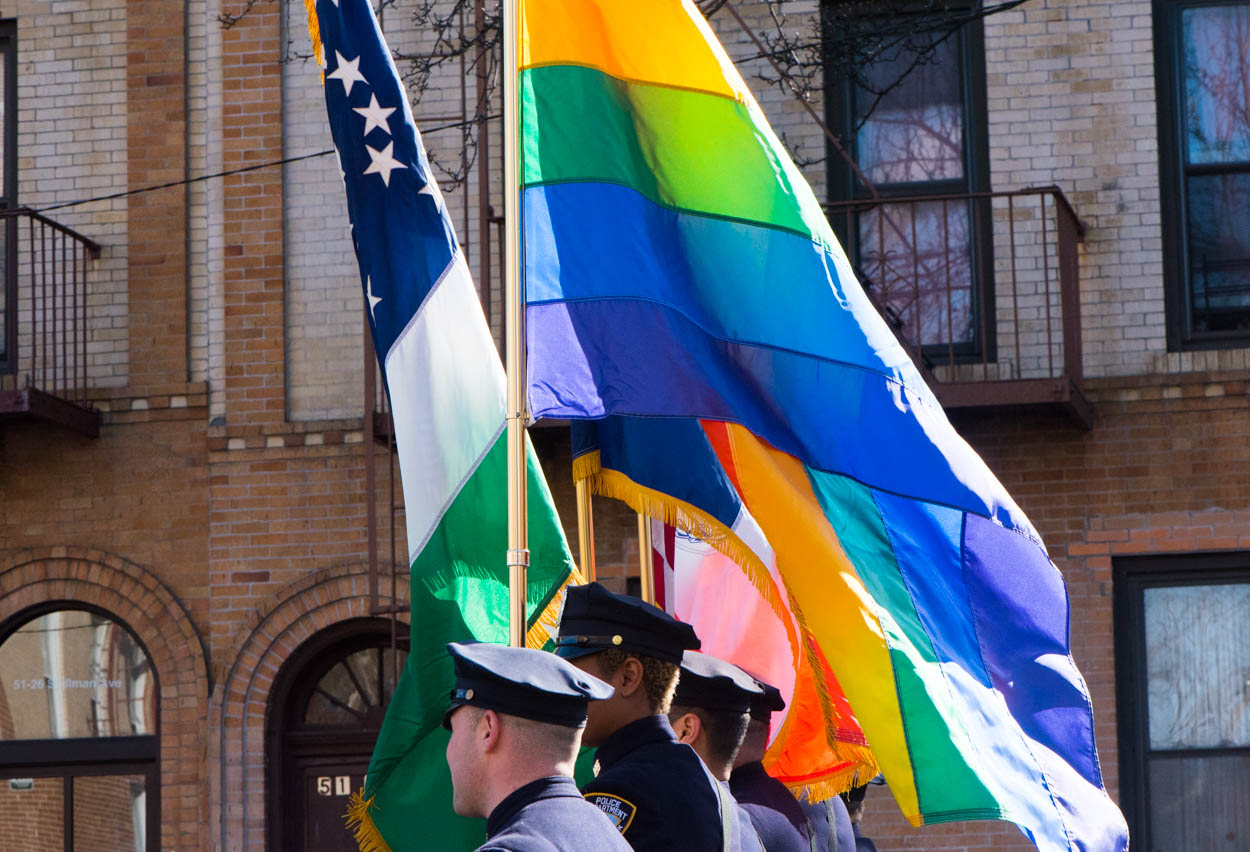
{"x": 1016, "y": 593}
{"x": 670, "y": 455}
{"x": 927, "y": 544}
{"x": 734, "y": 280}
{"x": 591, "y": 359}
{"x": 635, "y": 309}
{"x": 1020, "y": 608}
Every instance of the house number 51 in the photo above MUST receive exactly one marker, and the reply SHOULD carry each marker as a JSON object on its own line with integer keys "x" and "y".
{"x": 339, "y": 785}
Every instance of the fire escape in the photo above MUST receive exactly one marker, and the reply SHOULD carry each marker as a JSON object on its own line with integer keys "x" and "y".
{"x": 45, "y": 322}
{"x": 993, "y": 322}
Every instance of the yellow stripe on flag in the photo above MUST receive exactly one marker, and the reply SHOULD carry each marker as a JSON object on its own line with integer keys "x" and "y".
{"x": 840, "y": 612}
{"x": 661, "y": 42}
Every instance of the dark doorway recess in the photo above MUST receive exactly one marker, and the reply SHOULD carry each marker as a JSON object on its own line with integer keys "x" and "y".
{"x": 324, "y": 715}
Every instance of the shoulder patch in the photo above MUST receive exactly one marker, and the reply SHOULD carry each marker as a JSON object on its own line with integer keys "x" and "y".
{"x": 620, "y": 811}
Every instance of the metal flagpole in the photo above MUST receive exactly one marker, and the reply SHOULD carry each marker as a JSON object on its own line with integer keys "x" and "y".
{"x": 586, "y": 531}
{"x": 514, "y": 321}
{"x": 645, "y": 559}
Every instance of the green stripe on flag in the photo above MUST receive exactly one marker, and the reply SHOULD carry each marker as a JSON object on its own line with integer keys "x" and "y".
{"x": 459, "y": 591}
{"x": 944, "y": 780}
{"x": 579, "y": 124}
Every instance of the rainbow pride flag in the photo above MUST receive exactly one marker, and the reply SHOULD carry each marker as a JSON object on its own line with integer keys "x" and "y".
{"x": 677, "y": 265}
{"x": 715, "y": 569}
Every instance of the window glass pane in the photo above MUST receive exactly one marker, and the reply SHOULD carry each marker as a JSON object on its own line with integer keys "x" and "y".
{"x": 5, "y": 355}
{"x": 1219, "y": 251}
{"x": 75, "y": 674}
{"x": 351, "y": 692}
{"x": 1198, "y": 804}
{"x": 915, "y": 131}
{"x": 1198, "y": 666}
{"x": 110, "y": 813}
{"x": 917, "y": 260}
{"x": 32, "y": 814}
{"x": 5, "y": 47}
{"x": 1217, "y": 83}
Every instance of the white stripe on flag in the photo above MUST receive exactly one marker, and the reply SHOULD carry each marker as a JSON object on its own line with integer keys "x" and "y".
{"x": 447, "y": 397}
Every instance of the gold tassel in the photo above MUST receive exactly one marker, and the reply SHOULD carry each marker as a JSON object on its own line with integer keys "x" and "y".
{"x": 693, "y": 521}
{"x": 314, "y": 33}
{"x": 687, "y": 518}
{"x": 544, "y": 627}
{"x": 834, "y": 783}
{"x": 366, "y": 834}
{"x": 586, "y": 465}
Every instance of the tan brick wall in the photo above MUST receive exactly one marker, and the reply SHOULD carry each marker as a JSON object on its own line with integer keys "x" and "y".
{"x": 204, "y": 155}
{"x": 72, "y": 145}
{"x": 253, "y": 274}
{"x": 156, "y": 152}
{"x": 34, "y": 818}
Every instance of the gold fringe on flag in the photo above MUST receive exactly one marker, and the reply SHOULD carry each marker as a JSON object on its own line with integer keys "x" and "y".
{"x": 314, "y": 33}
{"x": 835, "y": 783}
{"x": 361, "y": 824}
{"x": 544, "y": 627}
{"x": 687, "y": 518}
{"x": 858, "y": 759}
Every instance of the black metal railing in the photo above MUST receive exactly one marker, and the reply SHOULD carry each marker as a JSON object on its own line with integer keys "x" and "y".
{"x": 982, "y": 288}
{"x": 46, "y": 306}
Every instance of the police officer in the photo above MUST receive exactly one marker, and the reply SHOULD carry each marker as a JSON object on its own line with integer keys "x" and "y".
{"x": 516, "y": 720}
{"x": 777, "y": 816}
{"x": 710, "y": 712}
{"x": 831, "y": 825}
{"x": 654, "y": 788}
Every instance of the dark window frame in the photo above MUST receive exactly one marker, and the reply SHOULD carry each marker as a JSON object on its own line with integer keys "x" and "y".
{"x": 842, "y": 184}
{"x": 1131, "y": 577}
{"x": 8, "y": 189}
{"x": 89, "y": 756}
{"x": 1174, "y": 225}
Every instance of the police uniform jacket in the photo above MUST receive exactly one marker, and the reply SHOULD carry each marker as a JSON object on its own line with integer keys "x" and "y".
{"x": 745, "y": 838}
{"x": 656, "y": 790}
{"x": 831, "y": 824}
{"x": 550, "y": 815}
{"x": 776, "y": 814}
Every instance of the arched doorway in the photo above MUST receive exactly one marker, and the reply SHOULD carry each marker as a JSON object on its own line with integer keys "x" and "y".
{"x": 326, "y": 710}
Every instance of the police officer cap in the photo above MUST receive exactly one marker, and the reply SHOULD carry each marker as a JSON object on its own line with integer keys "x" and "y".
{"x": 594, "y": 620}
{"x": 522, "y": 682}
{"x": 713, "y": 684}
{"x": 764, "y": 705}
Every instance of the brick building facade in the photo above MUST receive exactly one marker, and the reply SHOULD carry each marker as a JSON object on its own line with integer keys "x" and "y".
{"x": 222, "y": 514}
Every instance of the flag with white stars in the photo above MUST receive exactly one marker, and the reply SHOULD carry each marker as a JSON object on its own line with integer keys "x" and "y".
{"x": 447, "y": 393}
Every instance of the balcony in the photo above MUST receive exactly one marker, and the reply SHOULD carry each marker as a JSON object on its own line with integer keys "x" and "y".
{"x": 983, "y": 289}
{"x": 44, "y": 323}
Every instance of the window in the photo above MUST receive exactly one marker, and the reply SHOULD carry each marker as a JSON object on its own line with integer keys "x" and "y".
{"x": 1183, "y": 699}
{"x": 78, "y": 746}
{"x": 1203, "y": 76}
{"x": 8, "y": 193}
{"x": 327, "y": 707}
{"x": 915, "y": 120}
